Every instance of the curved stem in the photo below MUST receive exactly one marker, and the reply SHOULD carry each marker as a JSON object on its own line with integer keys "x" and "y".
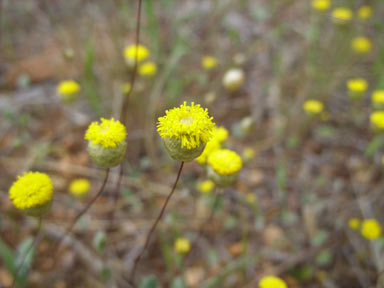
{"x": 33, "y": 245}
{"x": 82, "y": 212}
{"x": 138, "y": 257}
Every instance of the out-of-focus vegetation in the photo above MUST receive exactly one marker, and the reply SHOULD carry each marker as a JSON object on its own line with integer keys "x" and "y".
{"x": 296, "y": 88}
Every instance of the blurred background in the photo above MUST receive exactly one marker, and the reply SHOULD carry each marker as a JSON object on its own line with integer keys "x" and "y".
{"x": 296, "y": 83}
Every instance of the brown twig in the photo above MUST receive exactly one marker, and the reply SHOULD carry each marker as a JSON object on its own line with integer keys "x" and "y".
{"x": 138, "y": 257}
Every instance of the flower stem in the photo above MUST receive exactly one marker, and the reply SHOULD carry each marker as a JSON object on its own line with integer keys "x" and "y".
{"x": 33, "y": 245}
{"x": 138, "y": 257}
{"x": 82, "y": 212}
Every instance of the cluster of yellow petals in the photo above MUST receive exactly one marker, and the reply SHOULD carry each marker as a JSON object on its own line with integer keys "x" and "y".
{"x": 206, "y": 186}
{"x": 370, "y": 229}
{"x": 313, "y": 107}
{"x": 133, "y": 51}
{"x": 225, "y": 162}
{"x": 68, "y": 87}
{"x": 208, "y": 62}
{"x": 378, "y": 96}
{"x": 148, "y": 69}
{"x": 107, "y": 134}
{"x": 272, "y": 282}
{"x": 182, "y": 245}
{"x": 321, "y": 5}
{"x": 377, "y": 120}
{"x": 219, "y": 135}
{"x": 361, "y": 45}
{"x": 79, "y": 186}
{"x": 357, "y": 85}
{"x": 342, "y": 15}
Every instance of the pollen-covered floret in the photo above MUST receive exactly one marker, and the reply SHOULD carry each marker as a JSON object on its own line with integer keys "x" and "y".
{"x": 190, "y": 124}
{"x": 31, "y": 190}
{"x": 68, "y": 87}
{"x": 79, "y": 186}
{"x": 107, "y": 134}
{"x": 225, "y": 162}
{"x": 370, "y": 229}
{"x": 131, "y": 51}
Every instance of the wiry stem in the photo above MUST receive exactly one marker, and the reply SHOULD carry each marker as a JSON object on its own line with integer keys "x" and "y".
{"x": 138, "y": 257}
{"x": 34, "y": 243}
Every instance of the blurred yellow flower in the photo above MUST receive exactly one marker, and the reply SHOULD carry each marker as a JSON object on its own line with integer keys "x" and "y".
{"x": 354, "y": 223}
{"x": 208, "y": 62}
{"x": 210, "y": 147}
{"x": 378, "y": 96}
{"x": 148, "y": 69}
{"x": 370, "y": 229}
{"x": 248, "y": 153}
{"x": 219, "y": 134}
{"x": 321, "y": 5}
{"x": 206, "y": 186}
{"x": 377, "y": 120}
{"x": 313, "y": 107}
{"x": 126, "y": 88}
{"x": 364, "y": 12}
{"x": 182, "y": 245}
{"x": 342, "y": 15}
{"x": 251, "y": 198}
{"x": 131, "y": 51}
{"x": 79, "y": 187}
{"x": 357, "y": 85}
{"x": 361, "y": 45}
{"x": 68, "y": 87}
{"x": 225, "y": 162}
{"x": 272, "y": 282}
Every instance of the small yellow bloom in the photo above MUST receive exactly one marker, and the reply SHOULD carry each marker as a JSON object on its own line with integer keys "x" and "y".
{"x": 131, "y": 51}
{"x": 126, "y": 88}
{"x": 189, "y": 123}
{"x": 208, "y": 62}
{"x": 377, "y": 120}
{"x": 370, "y": 229}
{"x": 358, "y": 85}
{"x": 148, "y": 69}
{"x": 68, "y": 87}
{"x": 211, "y": 146}
{"x": 248, "y": 154}
{"x": 107, "y": 134}
{"x": 272, "y": 282}
{"x": 219, "y": 134}
{"x": 79, "y": 187}
{"x": 354, "y": 223}
{"x": 313, "y": 107}
{"x": 182, "y": 245}
{"x": 251, "y": 198}
{"x": 342, "y": 15}
{"x": 225, "y": 162}
{"x": 361, "y": 45}
{"x": 364, "y": 12}
{"x": 206, "y": 186}
{"x": 378, "y": 97}
{"x": 321, "y": 5}
{"x": 32, "y": 190}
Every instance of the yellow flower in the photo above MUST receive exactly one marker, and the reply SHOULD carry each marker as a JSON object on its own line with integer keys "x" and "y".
{"x": 377, "y": 119}
{"x": 378, "y": 97}
{"x": 354, "y": 223}
{"x": 358, "y": 85}
{"x": 79, "y": 187}
{"x": 370, "y": 229}
{"x": 248, "y": 154}
{"x": 251, "y": 198}
{"x": 148, "y": 69}
{"x": 225, "y": 162}
{"x": 126, "y": 88}
{"x": 206, "y": 186}
{"x": 361, "y": 45}
{"x": 342, "y": 15}
{"x": 313, "y": 107}
{"x": 321, "y": 5}
{"x": 208, "y": 62}
{"x": 219, "y": 134}
{"x": 364, "y": 12}
{"x": 272, "y": 282}
{"x": 107, "y": 134}
{"x": 233, "y": 79}
{"x": 211, "y": 146}
{"x": 32, "y": 190}
{"x": 131, "y": 51}
{"x": 68, "y": 87}
{"x": 182, "y": 245}
{"x": 190, "y": 124}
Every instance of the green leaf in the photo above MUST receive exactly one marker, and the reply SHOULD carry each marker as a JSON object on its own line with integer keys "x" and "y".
{"x": 99, "y": 241}
{"x": 7, "y": 256}
{"x": 149, "y": 282}
{"x": 25, "y": 256}
{"x": 373, "y": 146}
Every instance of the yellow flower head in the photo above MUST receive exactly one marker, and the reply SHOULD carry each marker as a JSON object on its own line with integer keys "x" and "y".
{"x": 342, "y": 15}
{"x": 354, "y": 223}
{"x": 68, "y": 87}
{"x": 377, "y": 119}
{"x": 364, "y": 12}
{"x": 321, "y": 5}
{"x": 206, "y": 186}
{"x": 225, "y": 162}
{"x": 361, "y": 45}
{"x": 248, "y": 153}
{"x": 211, "y": 146}
{"x": 126, "y": 88}
{"x": 378, "y": 97}
{"x": 313, "y": 107}
{"x": 79, "y": 187}
{"x": 107, "y": 134}
{"x": 131, "y": 51}
{"x": 208, "y": 62}
{"x": 272, "y": 282}
{"x": 370, "y": 229}
{"x": 148, "y": 69}
{"x": 358, "y": 85}
{"x": 182, "y": 245}
{"x": 32, "y": 190}
{"x": 189, "y": 123}
{"x": 251, "y": 198}
{"x": 219, "y": 134}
